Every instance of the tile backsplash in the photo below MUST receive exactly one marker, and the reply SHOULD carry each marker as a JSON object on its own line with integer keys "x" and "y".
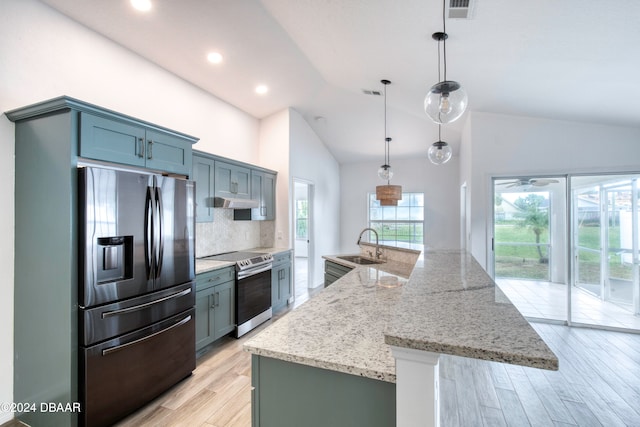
{"x": 225, "y": 235}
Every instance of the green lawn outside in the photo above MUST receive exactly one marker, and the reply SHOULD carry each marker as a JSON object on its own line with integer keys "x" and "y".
{"x": 515, "y": 261}
{"x": 410, "y": 232}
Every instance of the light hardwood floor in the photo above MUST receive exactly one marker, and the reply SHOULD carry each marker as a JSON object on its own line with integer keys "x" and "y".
{"x": 598, "y": 384}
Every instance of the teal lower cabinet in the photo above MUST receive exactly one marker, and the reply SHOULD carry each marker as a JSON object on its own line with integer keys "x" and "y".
{"x": 333, "y": 271}
{"x": 289, "y": 394}
{"x": 215, "y": 306}
{"x": 281, "y": 283}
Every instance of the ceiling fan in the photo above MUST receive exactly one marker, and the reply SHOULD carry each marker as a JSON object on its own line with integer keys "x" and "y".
{"x": 526, "y": 183}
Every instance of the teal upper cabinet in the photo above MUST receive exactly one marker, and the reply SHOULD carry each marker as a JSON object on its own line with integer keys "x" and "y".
{"x": 221, "y": 177}
{"x": 263, "y": 189}
{"x": 112, "y": 140}
{"x": 203, "y": 175}
{"x": 232, "y": 181}
{"x": 168, "y": 152}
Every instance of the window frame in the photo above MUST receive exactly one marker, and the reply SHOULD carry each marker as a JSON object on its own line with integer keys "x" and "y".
{"x": 416, "y": 226}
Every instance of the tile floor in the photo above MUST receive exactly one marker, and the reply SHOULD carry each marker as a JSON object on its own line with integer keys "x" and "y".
{"x": 545, "y": 300}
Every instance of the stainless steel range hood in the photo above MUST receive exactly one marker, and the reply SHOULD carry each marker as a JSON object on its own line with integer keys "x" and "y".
{"x": 230, "y": 203}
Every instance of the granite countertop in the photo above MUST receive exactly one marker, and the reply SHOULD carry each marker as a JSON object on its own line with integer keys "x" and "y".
{"x": 448, "y": 305}
{"x": 341, "y": 328}
{"x": 452, "y": 306}
{"x": 205, "y": 265}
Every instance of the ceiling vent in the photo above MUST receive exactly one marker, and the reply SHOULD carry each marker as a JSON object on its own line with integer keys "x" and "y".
{"x": 372, "y": 92}
{"x": 461, "y": 9}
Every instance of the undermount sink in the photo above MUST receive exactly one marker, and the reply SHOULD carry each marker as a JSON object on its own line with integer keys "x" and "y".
{"x": 357, "y": 259}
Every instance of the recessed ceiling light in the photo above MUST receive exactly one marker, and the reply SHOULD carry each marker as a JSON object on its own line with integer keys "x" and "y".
{"x": 262, "y": 89}
{"x": 141, "y": 5}
{"x": 214, "y": 57}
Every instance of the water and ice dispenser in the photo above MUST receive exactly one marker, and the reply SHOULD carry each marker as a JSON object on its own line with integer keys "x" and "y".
{"x": 115, "y": 258}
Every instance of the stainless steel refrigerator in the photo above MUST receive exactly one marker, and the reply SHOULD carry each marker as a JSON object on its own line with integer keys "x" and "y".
{"x": 137, "y": 291}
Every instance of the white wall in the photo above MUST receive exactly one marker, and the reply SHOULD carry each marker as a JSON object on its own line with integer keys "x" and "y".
{"x": 45, "y": 55}
{"x": 440, "y": 185}
{"x": 311, "y": 161}
{"x": 501, "y": 145}
{"x": 274, "y": 154}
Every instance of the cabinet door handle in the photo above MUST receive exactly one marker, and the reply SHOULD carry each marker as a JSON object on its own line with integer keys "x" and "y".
{"x": 150, "y": 150}
{"x": 216, "y": 298}
{"x": 213, "y": 279}
{"x": 140, "y": 149}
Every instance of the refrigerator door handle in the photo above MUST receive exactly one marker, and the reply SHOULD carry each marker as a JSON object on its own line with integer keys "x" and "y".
{"x": 160, "y": 244}
{"x": 148, "y": 233}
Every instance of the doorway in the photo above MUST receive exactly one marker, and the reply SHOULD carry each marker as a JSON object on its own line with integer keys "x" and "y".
{"x": 605, "y": 233}
{"x": 530, "y": 245}
{"x": 303, "y": 238}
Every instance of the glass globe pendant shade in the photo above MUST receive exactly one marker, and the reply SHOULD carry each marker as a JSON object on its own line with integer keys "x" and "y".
{"x": 439, "y": 153}
{"x": 445, "y": 102}
{"x": 385, "y": 172}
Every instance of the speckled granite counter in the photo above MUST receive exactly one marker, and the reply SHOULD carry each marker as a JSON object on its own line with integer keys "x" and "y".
{"x": 341, "y": 328}
{"x": 452, "y": 306}
{"x": 449, "y": 305}
{"x": 204, "y": 265}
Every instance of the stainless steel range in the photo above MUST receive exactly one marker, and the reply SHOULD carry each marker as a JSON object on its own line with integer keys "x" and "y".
{"x": 253, "y": 288}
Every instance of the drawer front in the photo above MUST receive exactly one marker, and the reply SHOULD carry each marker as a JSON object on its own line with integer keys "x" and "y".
{"x": 329, "y": 279}
{"x": 215, "y": 277}
{"x": 282, "y": 258}
{"x": 125, "y": 373}
{"x": 121, "y": 317}
{"x": 336, "y": 269}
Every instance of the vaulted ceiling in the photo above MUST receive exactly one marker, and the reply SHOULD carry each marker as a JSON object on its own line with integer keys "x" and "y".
{"x": 573, "y": 60}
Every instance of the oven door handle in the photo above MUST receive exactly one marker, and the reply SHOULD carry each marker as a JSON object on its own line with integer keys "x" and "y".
{"x": 145, "y": 305}
{"x": 110, "y": 350}
{"x": 247, "y": 273}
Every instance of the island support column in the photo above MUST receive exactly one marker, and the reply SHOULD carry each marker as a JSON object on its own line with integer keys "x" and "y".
{"x": 417, "y": 387}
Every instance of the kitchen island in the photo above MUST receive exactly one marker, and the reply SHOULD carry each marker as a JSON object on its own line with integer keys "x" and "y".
{"x": 342, "y": 339}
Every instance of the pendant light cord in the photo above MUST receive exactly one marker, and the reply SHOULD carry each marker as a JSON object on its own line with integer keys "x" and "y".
{"x": 386, "y": 143}
{"x": 387, "y": 153}
{"x": 444, "y": 42}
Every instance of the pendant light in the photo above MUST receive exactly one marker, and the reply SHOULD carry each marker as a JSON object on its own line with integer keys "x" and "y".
{"x": 440, "y": 151}
{"x": 388, "y": 195}
{"x": 446, "y": 100}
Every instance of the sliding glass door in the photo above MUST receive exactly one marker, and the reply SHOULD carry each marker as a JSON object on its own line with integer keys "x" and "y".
{"x": 605, "y": 236}
{"x": 582, "y": 268}
{"x": 529, "y": 244}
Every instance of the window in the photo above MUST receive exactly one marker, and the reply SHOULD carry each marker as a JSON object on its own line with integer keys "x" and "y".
{"x": 402, "y": 225}
{"x": 302, "y": 219}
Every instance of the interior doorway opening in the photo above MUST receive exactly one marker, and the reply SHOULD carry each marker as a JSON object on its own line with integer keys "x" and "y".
{"x": 303, "y": 238}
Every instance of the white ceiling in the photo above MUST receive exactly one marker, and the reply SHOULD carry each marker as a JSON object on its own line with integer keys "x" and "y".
{"x": 571, "y": 60}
